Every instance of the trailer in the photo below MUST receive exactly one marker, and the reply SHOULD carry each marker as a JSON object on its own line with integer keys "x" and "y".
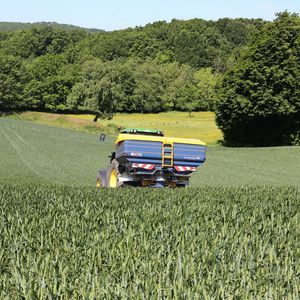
{"x": 146, "y": 158}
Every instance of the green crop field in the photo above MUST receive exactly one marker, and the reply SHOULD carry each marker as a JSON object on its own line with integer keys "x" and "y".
{"x": 37, "y": 153}
{"x": 43, "y": 154}
{"x": 203, "y": 243}
{"x": 233, "y": 235}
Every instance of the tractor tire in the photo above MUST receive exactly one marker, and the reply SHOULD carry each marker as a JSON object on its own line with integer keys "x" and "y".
{"x": 101, "y": 179}
{"x": 112, "y": 175}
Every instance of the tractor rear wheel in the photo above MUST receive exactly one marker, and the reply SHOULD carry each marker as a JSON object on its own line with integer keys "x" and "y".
{"x": 112, "y": 175}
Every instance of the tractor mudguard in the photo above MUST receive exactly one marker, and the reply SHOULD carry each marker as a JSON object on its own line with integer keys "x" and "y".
{"x": 101, "y": 179}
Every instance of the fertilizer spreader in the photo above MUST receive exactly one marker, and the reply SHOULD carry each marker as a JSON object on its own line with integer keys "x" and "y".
{"x": 146, "y": 158}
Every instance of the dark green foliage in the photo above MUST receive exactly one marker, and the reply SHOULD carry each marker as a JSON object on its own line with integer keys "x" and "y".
{"x": 135, "y": 86}
{"x": 103, "y": 87}
{"x": 48, "y": 85}
{"x": 260, "y": 96}
{"x": 12, "y": 78}
{"x": 145, "y": 69}
{"x": 163, "y": 66}
{"x": 238, "y": 31}
{"x": 37, "y": 42}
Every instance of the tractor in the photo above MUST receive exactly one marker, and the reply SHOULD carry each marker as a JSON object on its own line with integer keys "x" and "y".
{"x": 146, "y": 158}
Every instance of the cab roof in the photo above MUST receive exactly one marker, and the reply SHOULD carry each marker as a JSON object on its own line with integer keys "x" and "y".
{"x": 143, "y": 131}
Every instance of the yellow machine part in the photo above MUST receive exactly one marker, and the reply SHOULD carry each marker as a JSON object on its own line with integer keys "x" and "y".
{"x": 167, "y": 154}
{"x": 165, "y": 140}
{"x": 113, "y": 179}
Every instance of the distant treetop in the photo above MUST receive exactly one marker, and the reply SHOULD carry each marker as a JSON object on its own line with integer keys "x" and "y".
{"x": 14, "y": 26}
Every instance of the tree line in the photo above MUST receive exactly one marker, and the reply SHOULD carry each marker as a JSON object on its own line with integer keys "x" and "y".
{"x": 158, "y": 67}
{"x": 247, "y": 70}
{"x": 14, "y": 26}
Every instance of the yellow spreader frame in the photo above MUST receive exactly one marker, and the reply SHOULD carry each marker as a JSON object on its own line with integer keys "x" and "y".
{"x": 137, "y": 137}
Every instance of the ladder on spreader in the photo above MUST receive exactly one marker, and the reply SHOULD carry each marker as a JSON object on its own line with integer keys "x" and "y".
{"x": 167, "y": 154}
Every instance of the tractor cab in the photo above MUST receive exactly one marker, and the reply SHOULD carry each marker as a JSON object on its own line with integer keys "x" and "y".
{"x": 142, "y": 131}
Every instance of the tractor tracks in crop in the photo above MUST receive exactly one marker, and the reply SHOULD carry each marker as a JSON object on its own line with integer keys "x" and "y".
{"x": 19, "y": 153}
{"x": 33, "y": 158}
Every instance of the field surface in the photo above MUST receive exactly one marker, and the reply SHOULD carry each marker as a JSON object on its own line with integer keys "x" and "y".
{"x": 38, "y": 153}
{"x": 202, "y": 243}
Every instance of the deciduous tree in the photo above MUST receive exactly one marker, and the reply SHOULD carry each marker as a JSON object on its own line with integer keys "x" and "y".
{"x": 260, "y": 96}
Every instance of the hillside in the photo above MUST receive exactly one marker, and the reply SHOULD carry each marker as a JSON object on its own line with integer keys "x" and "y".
{"x": 159, "y": 67}
{"x": 233, "y": 67}
{"x": 37, "y": 153}
{"x": 14, "y": 26}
